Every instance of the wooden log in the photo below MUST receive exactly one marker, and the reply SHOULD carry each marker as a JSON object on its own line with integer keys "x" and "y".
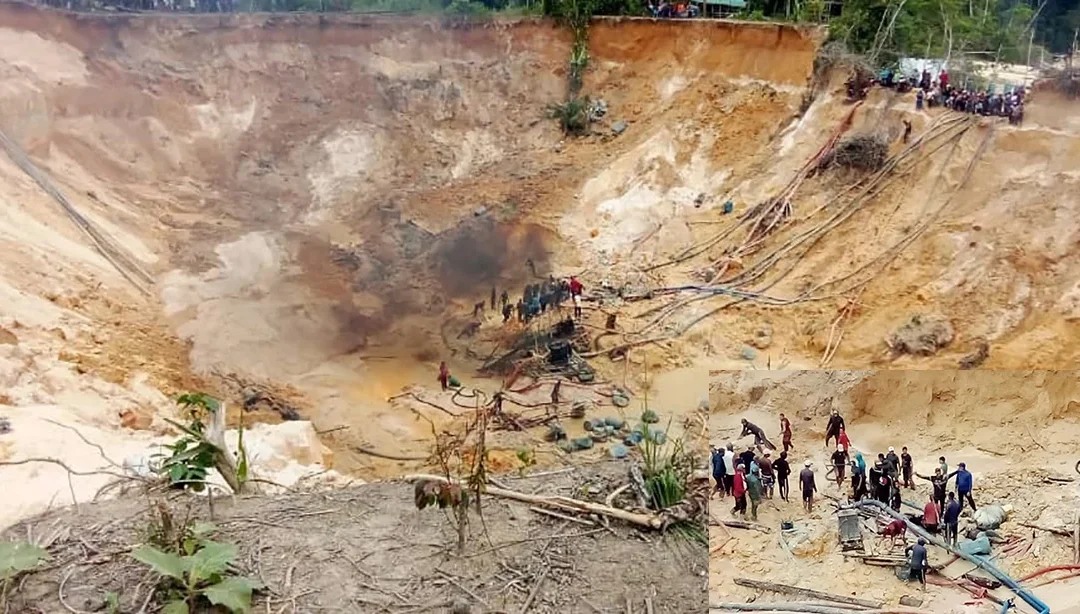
{"x": 806, "y": 592}
{"x": 742, "y": 524}
{"x": 651, "y": 521}
{"x": 1062, "y": 532}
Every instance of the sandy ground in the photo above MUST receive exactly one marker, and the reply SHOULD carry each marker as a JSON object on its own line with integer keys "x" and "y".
{"x": 367, "y": 549}
{"x": 1013, "y": 429}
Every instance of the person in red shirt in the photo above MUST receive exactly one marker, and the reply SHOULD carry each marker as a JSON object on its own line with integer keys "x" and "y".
{"x": 444, "y": 375}
{"x": 930, "y": 518}
{"x": 575, "y": 295}
{"x": 785, "y": 432}
{"x": 739, "y": 490}
{"x": 843, "y": 440}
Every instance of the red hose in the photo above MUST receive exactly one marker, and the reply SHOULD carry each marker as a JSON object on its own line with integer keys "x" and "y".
{"x": 1036, "y": 574}
{"x": 1057, "y": 579}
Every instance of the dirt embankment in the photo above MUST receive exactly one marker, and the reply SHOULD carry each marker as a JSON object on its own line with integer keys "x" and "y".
{"x": 1013, "y": 429}
{"x": 367, "y": 549}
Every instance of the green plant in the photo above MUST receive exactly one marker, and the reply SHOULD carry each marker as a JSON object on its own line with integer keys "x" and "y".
{"x": 572, "y": 115}
{"x": 192, "y": 456}
{"x": 15, "y": 558}
{"x": 666, "y": 467}
{"x": 112, "y": 603}
{"x": 199, "y": 572}
{"x": 527, "y": 458}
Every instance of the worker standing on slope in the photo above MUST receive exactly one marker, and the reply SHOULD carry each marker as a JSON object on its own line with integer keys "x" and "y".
{"x": 753, "y": 488}
{"x": 938, "y": 481}
{"x": 952, "y": 520}
{"x": 832, "y": 431}
{"x": 493, "y": 298}
{"x": 917, "y": 561}
{"x": 839, "y": 463}
{"x": 893, "y": 462}
{"x": 746, "y": 459}
{"x": 843, "y": 440}
{"x": 575, "y": 295}
{"x": 858, "y": 478}
{"x": 906, "y": 467}
{"x": 444, "y": 375}
{"x": 719, "y": 474}
{"x": 738, "y": 488}
{"x": 931, "y": 516}
{"x": 729, "y": 467}
{"x": 782, "y": 469}
{"x": 806, "y": 482}
{"x": 768, "y": 478}
{"x": 749, "y": 428}
{"x": 964, "y": 482}
{"x": 785, "y": 433}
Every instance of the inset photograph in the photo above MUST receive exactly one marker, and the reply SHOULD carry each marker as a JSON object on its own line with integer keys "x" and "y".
{"x": 899, "y": 491}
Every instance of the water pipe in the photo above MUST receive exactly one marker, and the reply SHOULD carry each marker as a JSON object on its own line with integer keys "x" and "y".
{"x": 982, "y": 562}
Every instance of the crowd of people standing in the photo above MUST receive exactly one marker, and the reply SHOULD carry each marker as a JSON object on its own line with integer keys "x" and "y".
{"x": 752, "y": 474}
{"x": 934, "y": 92}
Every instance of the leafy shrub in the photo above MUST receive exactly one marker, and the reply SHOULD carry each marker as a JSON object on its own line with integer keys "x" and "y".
{"x": 15, "y": 558}
{"x": 200, "y": 572}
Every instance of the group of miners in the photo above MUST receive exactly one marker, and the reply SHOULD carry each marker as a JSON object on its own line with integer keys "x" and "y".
{"x": 753, "y": 473}
{"x": 537, "y": 299}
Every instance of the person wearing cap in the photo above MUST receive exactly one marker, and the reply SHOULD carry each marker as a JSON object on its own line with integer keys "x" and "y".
{"x": 917, "y": 561}
{"x": 806, "y": 481}
{"x": 964, "y": 482}
{"x": 894, "y": 463}
{"x": 768, "y": 478}
{"x": 839, "y": 463}
{"x": 753, "y": 489}
{"x": 832, "y": 431}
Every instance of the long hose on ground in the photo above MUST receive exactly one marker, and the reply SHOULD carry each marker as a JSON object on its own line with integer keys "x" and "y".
{"x": 982, "y": 562}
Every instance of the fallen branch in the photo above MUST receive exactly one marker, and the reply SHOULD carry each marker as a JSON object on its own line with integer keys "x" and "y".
{"x": 806, "y": 592}
{"x": 646, "y": 520}
{"x": 393, "y": 457}
{"x": 1061, "y": 532}
{"x": 535, "y": 590}
{"x": 742, "y": 524}
{"x": 544, "y": 512}
{"x": 610, "y": 499}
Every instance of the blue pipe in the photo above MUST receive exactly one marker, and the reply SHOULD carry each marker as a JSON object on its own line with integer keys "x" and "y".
{"x": 982, "y": 562}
